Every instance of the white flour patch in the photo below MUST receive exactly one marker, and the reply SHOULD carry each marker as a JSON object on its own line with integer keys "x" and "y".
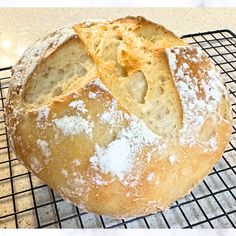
{"x": 76, "y": 162}
{"x": 73, "y": 125}
{"x": 118, "y": 156}
{"x": 64, "y": 172}
{"x": 149, "y": 155}
{"x": 44, "y": 147}
{"x": 188, "y": 83}
{"x": 42, "y": 116}
{"x": 99, "y": 84}
{"x": 114, "y": 159}
{"x": 213, "y": 143}
{"x": 172, "y": 159}
{"x": 92, "y": 95}
{"x": 112, "y": 115}
{"x": 79, "y": 105}
{"x": 35, "y": 164}
{"x": 150, "y": 176}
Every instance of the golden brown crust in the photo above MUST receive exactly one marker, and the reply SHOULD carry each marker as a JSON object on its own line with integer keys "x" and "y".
{"x": 108, "y": 148}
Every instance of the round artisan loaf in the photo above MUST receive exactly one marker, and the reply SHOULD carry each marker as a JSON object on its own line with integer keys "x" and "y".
{"x": 122, "y": 117}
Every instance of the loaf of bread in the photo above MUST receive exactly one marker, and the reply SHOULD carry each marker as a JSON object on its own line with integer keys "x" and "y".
{"x": 121, "y": 118}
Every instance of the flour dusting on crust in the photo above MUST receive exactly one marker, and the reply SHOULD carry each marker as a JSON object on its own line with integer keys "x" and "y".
{"x": 44, "y": 147}
{"x": 35, "y": 164}
{"x": 64, "y": 172}
{"x": 117, "y": 157}
{"x": 99, "y": 83}
{"x": 92, "y": 95}
{"x": 112, "y": 115}
{"x": 172, "y": 159}
{"x": 78, "y": 105}
{"x": 42, "y": 116}
{"x": 76, "y": 162}
{"x": 151, "y": 176}
{"x": 73, "y": 125}
{"x": 199, "y": 97}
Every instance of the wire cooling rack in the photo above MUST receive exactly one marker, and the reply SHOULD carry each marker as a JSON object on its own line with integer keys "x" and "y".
{"x": 25, "y": 201}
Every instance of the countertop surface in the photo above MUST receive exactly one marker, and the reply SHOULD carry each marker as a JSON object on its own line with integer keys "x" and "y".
{"x": 19, "y": 27}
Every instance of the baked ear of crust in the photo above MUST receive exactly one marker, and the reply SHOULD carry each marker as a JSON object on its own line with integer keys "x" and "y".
{"x": 122, "y": 118}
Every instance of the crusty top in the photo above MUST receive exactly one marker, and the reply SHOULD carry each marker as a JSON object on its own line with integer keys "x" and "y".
{"x": 141, "y": 112}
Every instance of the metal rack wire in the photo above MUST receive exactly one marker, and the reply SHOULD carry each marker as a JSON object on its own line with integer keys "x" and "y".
{"x": 25, "y": 201}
